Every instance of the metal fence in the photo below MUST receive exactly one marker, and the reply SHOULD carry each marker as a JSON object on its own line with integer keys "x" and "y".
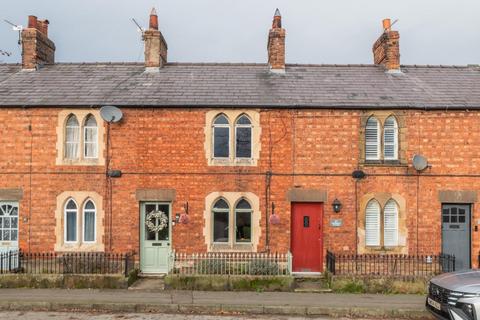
{"x": 67, "y": 263}
{"x": 389, "y": 264}
{"x": 230, "y": 263}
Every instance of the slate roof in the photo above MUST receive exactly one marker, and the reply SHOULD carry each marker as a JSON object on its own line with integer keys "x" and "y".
{"x": 240, "y": 85}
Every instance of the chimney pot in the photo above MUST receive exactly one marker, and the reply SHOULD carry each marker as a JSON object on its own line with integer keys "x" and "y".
{"x": 37, "y": 48}
{"x": 276, "y": 45}
{"x": 155, "y": 45}
{"x": 386, "y": 50}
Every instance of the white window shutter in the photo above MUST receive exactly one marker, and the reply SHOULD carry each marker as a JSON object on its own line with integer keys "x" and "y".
{"x": 390, "y": 225}
{"x": 390, "y": 139}
{"x": 372, "y": 139}
{"x": 372, "y": 224}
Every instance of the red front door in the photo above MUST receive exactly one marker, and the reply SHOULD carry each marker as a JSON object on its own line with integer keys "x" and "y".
{"x": 307, "y": 237}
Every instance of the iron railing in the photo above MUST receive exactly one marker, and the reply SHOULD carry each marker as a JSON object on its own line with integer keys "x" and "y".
{"x": 66, "y": 263}
{"x": 229, "y": 263}
{"x": 389, "y": 264}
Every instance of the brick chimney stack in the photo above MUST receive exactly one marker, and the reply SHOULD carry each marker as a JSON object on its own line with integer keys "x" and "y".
{"x": 155, "y": 45}
{"x": 37, "y": 48}
{"x": 386, "y": 50}
{"x": 276, "y": 45}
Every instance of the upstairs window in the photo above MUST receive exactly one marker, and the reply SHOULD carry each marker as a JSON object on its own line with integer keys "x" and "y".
{"x": 390, "y": 139}
{"x": 372, "y": 139}
{"x": 70, "y": 217}
{"x": 90, "y": 137}
{"x": 72, "y": 137}
{"x": 243, "y": 137}
{"x": 221, "y": 137}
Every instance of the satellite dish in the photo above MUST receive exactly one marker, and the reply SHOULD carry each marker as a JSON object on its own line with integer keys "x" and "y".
{"x": 111, "y": 114}
{"x": 419, "y": 162}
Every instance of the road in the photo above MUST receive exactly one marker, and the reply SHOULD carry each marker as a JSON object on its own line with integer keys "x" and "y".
{"x": 136, "y": 316}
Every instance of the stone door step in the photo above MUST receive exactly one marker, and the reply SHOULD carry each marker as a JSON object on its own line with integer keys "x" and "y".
{"x": 148, "y": 284}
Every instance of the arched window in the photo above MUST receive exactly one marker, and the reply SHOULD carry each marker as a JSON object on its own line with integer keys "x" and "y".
{"x": 221, "y": 137}
{"x": 72, "y": 137}
{"x": 372, "y": 224}
{"x": 221, "y": 213}
{"x": 390, "y": 224}
{"x": 70, "y": 218}
{"x": 390, "y": 139}
{"x": 243, "y": 137}
{"x": 372, "y": 139}
{"x": 89, "y": 214}
{"x": 90, "y": 137}
{"x": 243, "y": 221}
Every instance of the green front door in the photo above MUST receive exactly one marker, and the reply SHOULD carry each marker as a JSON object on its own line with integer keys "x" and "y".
{"x": 155, "y": 237}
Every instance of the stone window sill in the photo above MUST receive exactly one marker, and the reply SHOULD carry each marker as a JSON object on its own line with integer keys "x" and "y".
{"x": 237, "y": 247}
{"x": 232, "y": 162}
{"x": 380, "y": 249}
{"x": 384, "y": 163}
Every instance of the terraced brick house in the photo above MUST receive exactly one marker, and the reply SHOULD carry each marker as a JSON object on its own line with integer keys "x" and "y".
{"x": 269, "y": 157}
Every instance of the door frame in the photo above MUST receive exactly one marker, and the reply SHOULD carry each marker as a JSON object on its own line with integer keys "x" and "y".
{"x": 141, "y": 230}
{"x": 321, "y": 237}
{"x": 469, "y": 227}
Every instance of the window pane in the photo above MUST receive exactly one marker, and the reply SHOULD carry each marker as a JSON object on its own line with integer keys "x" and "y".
{"x": 91, "y": 122}
{"x": 243, "y": 120}
{"x": 71, "y": 226}
{"x": 221, "y": 142}
{"x": 14, "y": 235}
{"x": 72, "y": 138}
{"x": 391, "y": 224}
{"x": 244, "y": 143}
{"x": 14, "y": 223}
{"x": 90, "y": 142}
{"x": 371, "y": 139}
{"x": 220, "y": 226}
{"x": 6, "y": 222}
{"x": 6, "y": 234}
{"x": 89, "y": 233}
{"x": 244, "y": 226}
{"x": 243, "y": 204}
{"x": 221, "y": 204}
{"x": 71, "y": 205}
{"x": 372, "y": 224}
{"x": 89, "y": 206}
{"x": 221, "y": 120}
{"x": 163, "y": 234}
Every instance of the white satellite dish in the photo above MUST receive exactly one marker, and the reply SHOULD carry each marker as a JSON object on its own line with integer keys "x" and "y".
{"x": 419, "y": 162}
{"x": 111, "y": 114}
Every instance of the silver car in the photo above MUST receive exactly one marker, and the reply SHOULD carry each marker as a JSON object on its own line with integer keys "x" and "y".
{"x": 455, "y": 295}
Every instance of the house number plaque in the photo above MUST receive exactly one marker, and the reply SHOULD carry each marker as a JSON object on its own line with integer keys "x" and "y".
{"x": 336, "y": 223}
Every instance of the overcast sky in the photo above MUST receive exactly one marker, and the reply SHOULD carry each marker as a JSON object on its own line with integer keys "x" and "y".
{"x": 318, "y": 31}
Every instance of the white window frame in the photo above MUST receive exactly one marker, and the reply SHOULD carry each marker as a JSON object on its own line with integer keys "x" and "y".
{"x": 84, "y": 211}
{"x": 67, "y": 142}
{"x": 391, "y": 203}
{"x": 228, "y": 126}
{"x": 237, "y": 126}
{"x": 395, "y": 138}
{"x": 235, "y": 210}
{"x": 95, "y": 142}
{"x": 375, "y": 203}
{"x": 65, "y": 220}
{"x": 213, "y": 211}
{"x": 371, "y": 143}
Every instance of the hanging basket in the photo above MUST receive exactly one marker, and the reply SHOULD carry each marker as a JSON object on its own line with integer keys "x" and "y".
{"x": 162, "y": 221}
{"x": 274, "y": 219}
{"x": 184, "y": 218}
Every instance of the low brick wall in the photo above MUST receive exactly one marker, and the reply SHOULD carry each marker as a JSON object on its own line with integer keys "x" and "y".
{"x": 378, "y": 284}
{"x": 68, "y": 281}
{"x": 229, "y": 283}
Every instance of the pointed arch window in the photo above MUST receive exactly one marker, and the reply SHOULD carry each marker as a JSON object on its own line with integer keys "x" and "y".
{"x": 243, "y": 137}
{"x": 243, "y": 222}
{"x": 72, "y": 137}
{"x": 221, "y": 213}
{"x": 372, "y": 139}
{"x": 221, "y": 137}
{"x": 390, "y": 139}
{"x": 89, "y": 225}
{"x": 390, "y": 224}
{"x": 372, "y": 224}
{"x": 90, "y": 137}
{"x": 70, "y": 218}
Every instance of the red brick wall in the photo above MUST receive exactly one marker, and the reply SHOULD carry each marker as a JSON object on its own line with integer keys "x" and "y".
{"x": 160, "y": 148}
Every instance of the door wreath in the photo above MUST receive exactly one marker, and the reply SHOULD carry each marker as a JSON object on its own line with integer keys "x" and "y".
{"x": 162, "y": 221}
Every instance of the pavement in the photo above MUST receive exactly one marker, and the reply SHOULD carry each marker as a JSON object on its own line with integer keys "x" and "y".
{"x": 214, "y": 303}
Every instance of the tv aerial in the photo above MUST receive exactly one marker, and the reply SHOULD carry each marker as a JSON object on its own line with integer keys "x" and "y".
{"x": 111, "y": 114}
{"x": 16, "y": 27}
{"x": 419, "y": 162}
{"x": 140, "y": 29}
